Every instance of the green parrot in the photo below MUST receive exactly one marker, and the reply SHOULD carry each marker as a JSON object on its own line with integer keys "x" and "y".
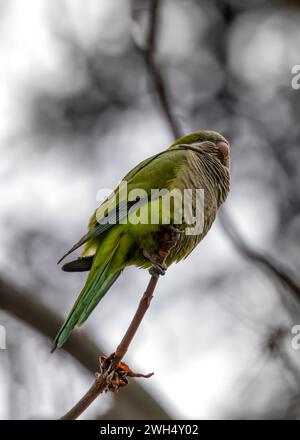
{"x": 117, "y": 239}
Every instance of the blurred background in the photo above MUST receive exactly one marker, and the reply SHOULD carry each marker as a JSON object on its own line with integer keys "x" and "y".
{"x": 89, "y": 89}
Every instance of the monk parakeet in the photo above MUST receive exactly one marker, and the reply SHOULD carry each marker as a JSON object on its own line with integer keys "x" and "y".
{"x": 117, "y": 239}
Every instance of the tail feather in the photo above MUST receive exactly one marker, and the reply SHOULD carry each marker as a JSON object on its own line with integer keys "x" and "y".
{"x": 82, "y": 264}
{"x": 98, "y": 283}
{"x": 105, "y": 286}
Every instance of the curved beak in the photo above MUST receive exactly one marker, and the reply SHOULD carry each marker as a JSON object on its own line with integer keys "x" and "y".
{"x": 224, "y": 149}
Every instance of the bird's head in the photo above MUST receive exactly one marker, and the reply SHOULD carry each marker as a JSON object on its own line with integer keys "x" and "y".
{"x": 208, "y": 141}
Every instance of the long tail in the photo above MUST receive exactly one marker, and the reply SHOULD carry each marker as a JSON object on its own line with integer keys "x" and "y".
{"x": 100, "y": 279}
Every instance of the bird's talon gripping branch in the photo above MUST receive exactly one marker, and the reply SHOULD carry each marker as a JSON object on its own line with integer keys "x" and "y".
{"x": 158, "y": 269}
{"x": 175, "y": 233}
{"x": 153, "y": 258}
{"x": 167, "y": 241}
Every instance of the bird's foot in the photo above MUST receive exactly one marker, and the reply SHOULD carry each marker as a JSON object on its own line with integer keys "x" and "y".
{"x": 157, "y": 267}
{"x": 175, "y": 234}
{"x": 168, "y": 240}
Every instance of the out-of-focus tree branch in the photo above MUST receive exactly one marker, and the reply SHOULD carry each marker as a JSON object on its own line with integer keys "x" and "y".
{"x": 20, "y": 303}
{"x": 158, "y": 81}
{"x": 266, "y": 262}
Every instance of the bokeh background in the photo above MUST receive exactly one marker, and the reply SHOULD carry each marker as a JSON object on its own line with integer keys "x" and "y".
{"x": 89, "y": 89}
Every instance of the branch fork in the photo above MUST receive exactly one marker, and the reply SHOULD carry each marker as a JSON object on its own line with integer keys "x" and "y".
{"x": 118, "y": 377}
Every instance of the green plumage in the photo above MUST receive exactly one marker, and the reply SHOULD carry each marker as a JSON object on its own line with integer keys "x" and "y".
{"x": 193, "y": 161}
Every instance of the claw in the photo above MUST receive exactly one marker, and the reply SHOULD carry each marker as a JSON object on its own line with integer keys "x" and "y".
{"x": 151, "y": 257}
{"x": 167, "y": 241}
{"x": 158, "y": 269}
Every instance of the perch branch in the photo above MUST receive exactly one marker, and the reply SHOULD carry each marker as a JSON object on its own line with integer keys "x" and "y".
{"x": 109, "y": 368}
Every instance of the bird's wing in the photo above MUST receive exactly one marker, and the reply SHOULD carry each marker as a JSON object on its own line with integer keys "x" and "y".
{"x": 154, "y": 172}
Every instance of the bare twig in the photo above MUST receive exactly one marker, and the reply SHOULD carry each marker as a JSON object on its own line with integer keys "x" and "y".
{"x": 267, "y": 262}
{"x": 148, "y": 53}
{"x": 275, "y": 346}
{"x": 111, "y": 364}
{"x": 135, "y": 323}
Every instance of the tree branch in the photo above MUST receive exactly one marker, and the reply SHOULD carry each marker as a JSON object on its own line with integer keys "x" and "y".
{"x": 149, "y": 56}
{"x": 267, "y": 262}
